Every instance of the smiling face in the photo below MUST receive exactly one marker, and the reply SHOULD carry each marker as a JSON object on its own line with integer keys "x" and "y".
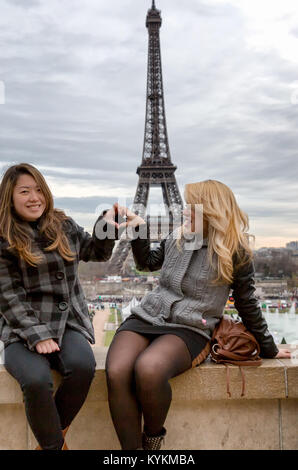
{"x": 28, "y": 199}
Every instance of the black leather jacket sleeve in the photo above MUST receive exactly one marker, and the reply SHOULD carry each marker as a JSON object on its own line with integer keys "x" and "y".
{"x": 145, "y": 258}
{"x": 249, "y": 310}
{"x": 95, "y": 247}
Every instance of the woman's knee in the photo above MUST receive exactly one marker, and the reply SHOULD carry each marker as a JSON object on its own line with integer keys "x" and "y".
{"x": 76, "y": 356}
{"x": 37, "y": 384}
{"x": 83, "y": 368}
{"x": 148, "y": 373}
{"x": 118, "y": 373}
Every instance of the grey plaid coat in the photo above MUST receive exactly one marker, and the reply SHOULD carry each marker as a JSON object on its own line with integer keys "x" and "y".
{"x": 37, "y": 303}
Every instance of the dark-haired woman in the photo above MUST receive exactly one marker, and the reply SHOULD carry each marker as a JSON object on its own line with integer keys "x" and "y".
{"x": 44, "y": 321}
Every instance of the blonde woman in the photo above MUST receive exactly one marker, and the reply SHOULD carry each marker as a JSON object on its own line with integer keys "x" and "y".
{"x": 44, "y": 320}
{"x": 170, "y": 331}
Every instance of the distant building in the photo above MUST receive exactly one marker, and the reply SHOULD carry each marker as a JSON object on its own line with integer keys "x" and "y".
{"x": 274, "y": 288}
{"x": 270, "y": 252}
{"x": 292, "y": 245}
{"x": 295, "y": 256}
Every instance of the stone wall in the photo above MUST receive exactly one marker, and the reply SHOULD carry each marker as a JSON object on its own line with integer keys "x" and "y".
{"x": 201, "y": 415}
{"x": 130, "y": 289}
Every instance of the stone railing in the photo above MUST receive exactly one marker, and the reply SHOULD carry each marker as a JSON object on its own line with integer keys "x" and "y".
{"x": 201, "y": 415}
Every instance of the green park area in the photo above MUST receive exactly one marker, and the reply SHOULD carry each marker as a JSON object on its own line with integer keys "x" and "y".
{"x": 114, "y": 321}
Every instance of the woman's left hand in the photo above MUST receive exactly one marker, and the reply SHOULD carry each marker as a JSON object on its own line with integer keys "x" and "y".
{"x": 111, "y": 215}
{"x": 283, "y": 353}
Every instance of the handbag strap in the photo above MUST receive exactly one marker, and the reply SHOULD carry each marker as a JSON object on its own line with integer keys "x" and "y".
{"x": 256, "y": 362}
{"x": 228, "y": 380}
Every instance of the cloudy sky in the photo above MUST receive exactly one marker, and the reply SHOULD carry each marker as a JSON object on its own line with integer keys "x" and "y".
{"x": 73, "y": 86}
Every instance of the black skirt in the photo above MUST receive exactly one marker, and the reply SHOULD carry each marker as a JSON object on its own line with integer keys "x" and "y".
{"x": 198, "y": 345}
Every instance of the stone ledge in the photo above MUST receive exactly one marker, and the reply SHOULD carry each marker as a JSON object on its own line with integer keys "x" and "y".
{"x": 291, "y": 371}
{"x": 201, "y": 415}
{"x": 274, "y": 379}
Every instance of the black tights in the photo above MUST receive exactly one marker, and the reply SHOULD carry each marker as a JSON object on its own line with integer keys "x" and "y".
{"x": 138, "y": 372}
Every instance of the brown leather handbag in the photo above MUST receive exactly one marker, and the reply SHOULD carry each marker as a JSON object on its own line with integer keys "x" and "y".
{"x": 232, "y": 343}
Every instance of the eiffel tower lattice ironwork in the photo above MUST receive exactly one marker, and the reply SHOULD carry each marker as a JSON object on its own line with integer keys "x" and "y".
{"x": 156, "y": 168}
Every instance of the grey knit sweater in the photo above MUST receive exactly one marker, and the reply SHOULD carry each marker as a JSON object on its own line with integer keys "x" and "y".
{"x": 186, "y": 296}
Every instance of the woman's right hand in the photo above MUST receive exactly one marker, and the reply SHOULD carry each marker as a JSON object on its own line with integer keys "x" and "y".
{"x": 283, "y": 354}
{"x": 47, "y": 346}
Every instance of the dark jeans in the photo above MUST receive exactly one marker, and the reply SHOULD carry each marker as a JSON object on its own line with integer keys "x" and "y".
{"x": 48, "y": 415}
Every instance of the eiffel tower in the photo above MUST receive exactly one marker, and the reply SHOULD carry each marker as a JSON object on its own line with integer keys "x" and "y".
{"x": 156, "y": 168}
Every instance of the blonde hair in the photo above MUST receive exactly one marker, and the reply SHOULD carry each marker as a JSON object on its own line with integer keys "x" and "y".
{"x": 16, "y": 232}
{"x": 227, "y": 226}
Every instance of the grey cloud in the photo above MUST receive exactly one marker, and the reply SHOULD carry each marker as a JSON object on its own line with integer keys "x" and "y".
{"x": 283, "y": 213}
{"x": 85, "y": 204}
{"x": 76, "y": 98}
{"x": 294, "y": 31}
{"x": 24, "y": 3}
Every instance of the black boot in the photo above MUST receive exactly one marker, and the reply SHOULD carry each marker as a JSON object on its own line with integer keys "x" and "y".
{"x": 153, "y": 442}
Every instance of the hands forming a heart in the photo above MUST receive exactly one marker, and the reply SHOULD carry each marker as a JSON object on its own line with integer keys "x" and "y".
{"x": 117, "y": 213}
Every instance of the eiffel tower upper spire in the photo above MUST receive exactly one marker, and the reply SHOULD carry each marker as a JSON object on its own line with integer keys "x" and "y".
{"x": 153, "y": 15}
{"x": 156, "y": 145}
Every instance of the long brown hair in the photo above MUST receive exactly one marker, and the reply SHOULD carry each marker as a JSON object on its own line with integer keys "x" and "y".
{"x": 16, "y": 232}
{"x": 227, "y": 225}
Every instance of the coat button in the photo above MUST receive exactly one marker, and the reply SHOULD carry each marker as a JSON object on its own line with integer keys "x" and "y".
{"x": 59, "y": 275}
{"x": 63, "y": 306}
